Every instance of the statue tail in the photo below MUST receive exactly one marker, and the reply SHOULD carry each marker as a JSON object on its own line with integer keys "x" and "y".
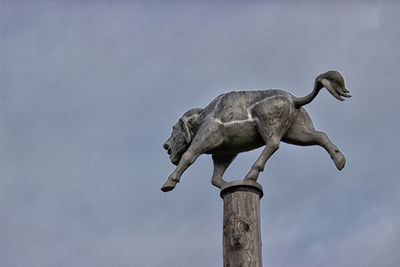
{"x": 333, "y": 81}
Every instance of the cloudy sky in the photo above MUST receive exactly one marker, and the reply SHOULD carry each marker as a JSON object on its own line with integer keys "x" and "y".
{"x": 90, "y": 90}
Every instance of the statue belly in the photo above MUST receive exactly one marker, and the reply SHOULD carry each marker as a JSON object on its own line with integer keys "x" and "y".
{"x": 242, "y": 136}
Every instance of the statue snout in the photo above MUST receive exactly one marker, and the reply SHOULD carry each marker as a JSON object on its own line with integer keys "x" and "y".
{"x": 167, "y": 147}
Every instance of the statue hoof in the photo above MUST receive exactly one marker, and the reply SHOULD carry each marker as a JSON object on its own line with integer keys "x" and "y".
{"x": 169, "y": 185}
{"x": 340, "y": 161}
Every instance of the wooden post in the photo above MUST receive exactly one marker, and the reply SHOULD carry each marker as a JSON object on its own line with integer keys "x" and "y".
{"x": 242, "y": 224}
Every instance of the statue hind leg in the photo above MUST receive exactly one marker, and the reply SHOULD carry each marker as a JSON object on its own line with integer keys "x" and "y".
{"x": 272, "y": 145}
{"x": 302, "y": 133}
{"x": 271, "y": 124}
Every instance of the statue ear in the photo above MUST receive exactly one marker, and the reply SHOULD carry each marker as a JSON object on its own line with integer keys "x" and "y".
{"x": 186, "y": 129}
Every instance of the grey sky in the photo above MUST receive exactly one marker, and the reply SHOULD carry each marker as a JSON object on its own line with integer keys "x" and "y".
{"x": 90, "y": 90}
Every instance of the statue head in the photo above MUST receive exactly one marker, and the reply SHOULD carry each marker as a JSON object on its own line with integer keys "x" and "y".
{"x": 182, "y": 134}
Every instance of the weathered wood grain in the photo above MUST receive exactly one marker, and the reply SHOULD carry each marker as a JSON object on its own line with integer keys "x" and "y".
{"x": 242, "y": 224}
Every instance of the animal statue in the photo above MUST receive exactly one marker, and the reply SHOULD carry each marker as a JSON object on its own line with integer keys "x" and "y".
{"x": 241, "y": 121}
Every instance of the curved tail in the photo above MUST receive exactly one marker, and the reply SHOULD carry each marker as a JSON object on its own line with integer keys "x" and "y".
{"x": 333, "y": 81}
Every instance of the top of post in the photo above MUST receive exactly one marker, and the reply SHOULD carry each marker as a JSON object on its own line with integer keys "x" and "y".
{"x": 242, "y": 185}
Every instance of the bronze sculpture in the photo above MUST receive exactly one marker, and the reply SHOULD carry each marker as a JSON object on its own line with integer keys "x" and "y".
{"x": 236, "y": 122}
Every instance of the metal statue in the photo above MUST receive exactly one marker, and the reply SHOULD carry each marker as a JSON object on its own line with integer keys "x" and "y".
{"x": 236, "y": 122}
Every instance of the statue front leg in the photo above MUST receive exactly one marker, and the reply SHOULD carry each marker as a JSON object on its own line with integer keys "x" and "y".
{"x": 187, "y": 159}
{"x": 208, "y": 137}
{"x": 221, "y": 163}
